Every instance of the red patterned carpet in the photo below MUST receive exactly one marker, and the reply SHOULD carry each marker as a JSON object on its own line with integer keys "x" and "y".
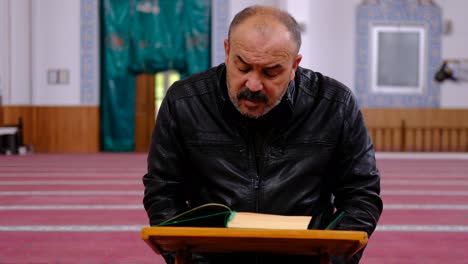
{"x": 76, "y": 208}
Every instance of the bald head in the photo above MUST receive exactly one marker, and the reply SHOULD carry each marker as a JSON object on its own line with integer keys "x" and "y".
{"x": 265, "y": 15}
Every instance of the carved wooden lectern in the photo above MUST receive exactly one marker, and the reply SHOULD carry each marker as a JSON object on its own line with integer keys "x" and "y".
{"x": 185, "y": 240}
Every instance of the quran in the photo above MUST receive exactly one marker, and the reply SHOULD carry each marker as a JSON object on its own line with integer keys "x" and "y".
{"x": 220, "y": 215}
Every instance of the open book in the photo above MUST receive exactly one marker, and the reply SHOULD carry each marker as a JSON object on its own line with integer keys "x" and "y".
{"x": 219, "y": 215}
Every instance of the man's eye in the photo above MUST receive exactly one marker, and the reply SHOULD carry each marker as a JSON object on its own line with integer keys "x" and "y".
{"x": 270, "y": 74}
{"x": 243, "y": 70}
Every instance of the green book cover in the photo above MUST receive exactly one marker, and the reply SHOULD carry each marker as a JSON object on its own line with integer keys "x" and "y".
{"x": 207, "y": 215}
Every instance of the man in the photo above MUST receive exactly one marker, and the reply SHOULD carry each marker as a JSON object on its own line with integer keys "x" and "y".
{"x": 261, "y": 134}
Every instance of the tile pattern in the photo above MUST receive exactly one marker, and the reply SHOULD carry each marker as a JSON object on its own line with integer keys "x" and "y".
{"x": 397, "y": 12}
{"x": 89, "y": 58}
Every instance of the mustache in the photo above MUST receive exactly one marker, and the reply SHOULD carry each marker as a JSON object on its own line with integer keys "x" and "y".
{"x": 246, "y": 94}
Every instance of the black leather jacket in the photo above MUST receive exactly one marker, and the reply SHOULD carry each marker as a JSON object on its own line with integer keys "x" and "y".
{"x": 308, "y": 155}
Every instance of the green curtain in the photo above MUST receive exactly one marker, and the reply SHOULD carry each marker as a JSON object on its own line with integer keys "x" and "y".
{"x": 117, "y": 84}
{"x": 171, "y": 34}
{"x": 146, "y": 36}
{"x": 197, "y": 29}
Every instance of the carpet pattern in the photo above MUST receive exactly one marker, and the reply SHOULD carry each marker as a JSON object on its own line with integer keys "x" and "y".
{"x": 76, "y": 208}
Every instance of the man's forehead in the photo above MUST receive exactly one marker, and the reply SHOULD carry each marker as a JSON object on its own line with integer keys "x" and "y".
{"x": 265, "y": 50}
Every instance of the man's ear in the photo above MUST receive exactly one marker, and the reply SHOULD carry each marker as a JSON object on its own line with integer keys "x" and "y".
{"x": 226, "y": 51}
{"x": 296, "y": 62}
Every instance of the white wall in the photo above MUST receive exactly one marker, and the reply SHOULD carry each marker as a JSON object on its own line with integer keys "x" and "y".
{"x": 455, "y": 46}
{"x": 15, "y": 51}
{"x": 4, "y": 49}
{"x": 20, "y": 48}
{"x": 328, "y": 40}
{"x": 40, "y": 36}
{"x": 56, "y": 45}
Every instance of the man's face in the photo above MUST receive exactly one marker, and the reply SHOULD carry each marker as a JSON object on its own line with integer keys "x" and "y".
{"x": 261, "y": 60}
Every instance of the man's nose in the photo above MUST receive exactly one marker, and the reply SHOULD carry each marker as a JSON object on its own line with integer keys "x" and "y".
{"x": 254, "y": 83}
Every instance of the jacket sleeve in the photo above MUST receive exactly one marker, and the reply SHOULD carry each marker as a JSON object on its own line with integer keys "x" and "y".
{"x": 357, "y": 181}
{"x": 163, "y": 196}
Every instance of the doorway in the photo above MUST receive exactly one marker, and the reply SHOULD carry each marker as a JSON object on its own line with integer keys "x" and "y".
{"x": 150, "y": 92}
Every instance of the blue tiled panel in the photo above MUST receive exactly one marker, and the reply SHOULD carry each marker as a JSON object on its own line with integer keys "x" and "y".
{"x": 220, "y": 28}
{"x": 397, "y": 12}
{"x": 88, "y": 52}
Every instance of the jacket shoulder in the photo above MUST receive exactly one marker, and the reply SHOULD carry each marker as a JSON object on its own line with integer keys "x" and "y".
{"x": 321, "y": 86}
{"x": 195, "y": 85}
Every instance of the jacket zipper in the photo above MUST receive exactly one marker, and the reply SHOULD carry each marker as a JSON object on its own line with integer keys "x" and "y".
{"x": 256, "y": 179}
{"x": 256, "y": 182}
{"x": 259, "y": 152}
{"x": 256, "y": 144}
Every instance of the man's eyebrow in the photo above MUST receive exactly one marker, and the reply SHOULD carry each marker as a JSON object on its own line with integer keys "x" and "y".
{"x": 242, "y": 60}
{"x": 274, "y": 67}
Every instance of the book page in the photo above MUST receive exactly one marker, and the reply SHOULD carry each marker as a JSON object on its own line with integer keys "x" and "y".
{"x": 268, "y": 221}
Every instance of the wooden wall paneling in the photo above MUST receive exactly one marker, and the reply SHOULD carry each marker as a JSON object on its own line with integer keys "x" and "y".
{"x": 144, "y": 111}
{"x": 383, "y": 140}
{"x": 383, "y": 128}
{"x": 454, "y": 138}
{"x": 418, "y": 129}
{"x": 387, "y": 134}
{"x": 48, "y": 124}
{"x": 395, "y": 140}
{"x": 463, "y": 140}
{"x": 445, "y": 140}
{"x": 373, "y": 135}
{"x": 58, "y": 128}
{"x": 417, "y": 139}
{"x": 410, "y": 140}
{"x": 458, "y": 143}
{"x": 93, "y": 126}
{"x": 436, "y": 139}
{"x": 68, "y": 129}
{"x": 427, "y": 139}
{"x": 378, "y": 139}
{"x": 44, "y": 141}
{"x": 86, "y": 120}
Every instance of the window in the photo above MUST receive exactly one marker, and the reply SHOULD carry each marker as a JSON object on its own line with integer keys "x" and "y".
{"x": 398, "y": 59}
{"x": 163, "y": 80}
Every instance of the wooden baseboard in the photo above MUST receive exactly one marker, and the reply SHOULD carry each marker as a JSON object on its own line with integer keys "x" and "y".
{"x": 57, "y": 128}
